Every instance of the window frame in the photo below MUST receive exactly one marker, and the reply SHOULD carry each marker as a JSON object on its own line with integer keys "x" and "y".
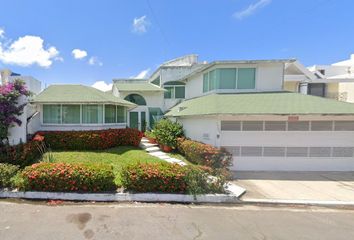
{"x": 81, "y": 118}
{"x": 173, "y": 91}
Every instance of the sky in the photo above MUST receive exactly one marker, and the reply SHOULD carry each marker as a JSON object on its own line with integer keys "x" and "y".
{"x": 85, "y": 42}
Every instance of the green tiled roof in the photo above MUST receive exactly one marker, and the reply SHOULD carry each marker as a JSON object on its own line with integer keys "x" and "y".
{"x": 77, "y": 94}
{"x": 137, "y": 87}
{"x": 272, "y": 103}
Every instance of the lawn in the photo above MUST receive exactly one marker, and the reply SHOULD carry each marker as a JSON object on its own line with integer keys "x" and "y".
{"x": 117, "y": 157}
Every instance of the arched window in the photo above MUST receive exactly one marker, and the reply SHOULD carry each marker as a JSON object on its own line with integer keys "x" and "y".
{"x": 136, "y": 98}
{"x": 175, "y": 90}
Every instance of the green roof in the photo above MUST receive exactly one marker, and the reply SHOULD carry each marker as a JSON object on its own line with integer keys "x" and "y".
{"x": 266, "y": 103}
{"x": 77, "y": 94}
{"x": 137, "y": 87}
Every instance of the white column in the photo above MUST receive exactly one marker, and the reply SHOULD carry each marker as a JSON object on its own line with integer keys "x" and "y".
{"x": 303, "y": 86}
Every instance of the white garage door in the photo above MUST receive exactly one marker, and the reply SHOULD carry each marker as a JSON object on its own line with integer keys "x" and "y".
{"x": 289, "y": 146}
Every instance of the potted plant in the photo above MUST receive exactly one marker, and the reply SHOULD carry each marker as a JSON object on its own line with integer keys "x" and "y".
{"x": 150, "y": 135}
{"x": 166, "y": 133}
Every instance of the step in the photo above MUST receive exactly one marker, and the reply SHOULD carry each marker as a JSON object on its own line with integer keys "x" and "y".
{"x": 158, "y": 154}
{"x": 144, "y": 140}
{"x": 152, "y": 149}
{"x": 147, "y": 145}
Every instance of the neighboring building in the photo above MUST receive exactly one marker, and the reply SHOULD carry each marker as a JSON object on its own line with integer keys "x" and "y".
{"x": 334, "y": 81}
{"x": 77, "y": 107}
{"x": 18, "y": 134}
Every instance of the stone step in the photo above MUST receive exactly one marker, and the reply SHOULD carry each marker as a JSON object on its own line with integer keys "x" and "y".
{"x": 145, "y": 140}
{"x": 158, "y": 154}
{"x": 152, "y": 149}
{"x": 147, "y": 145}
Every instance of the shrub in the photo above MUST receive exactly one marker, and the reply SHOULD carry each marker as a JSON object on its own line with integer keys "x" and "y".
{"x": 91, "y": 140}
{"x": 66, "y": 177}
{"x": 7, "y": 172}
{"x": 170, "y": 178}
{"x": 150, "y": 134}
{"x": 22, "y": 154}
{"x": 204, "y": 154}
{"x": 167, "y": 132}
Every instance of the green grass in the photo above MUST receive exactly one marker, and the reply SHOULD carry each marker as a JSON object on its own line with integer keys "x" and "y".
{"x": 117, "y": 157}
{"x": 179, "y": 156}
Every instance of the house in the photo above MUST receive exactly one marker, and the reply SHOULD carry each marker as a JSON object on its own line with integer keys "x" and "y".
{"x": 77, "y": 107}
{"x": 334, "y": 81}
{"x": 242, "y": 106}
{"x": 18, "y": 134}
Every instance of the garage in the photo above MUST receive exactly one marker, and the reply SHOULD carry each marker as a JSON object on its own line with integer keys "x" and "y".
{"x": 292, "y": 143}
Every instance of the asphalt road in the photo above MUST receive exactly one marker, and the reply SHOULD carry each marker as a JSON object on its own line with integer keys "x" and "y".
{"x": 164, "y": 221}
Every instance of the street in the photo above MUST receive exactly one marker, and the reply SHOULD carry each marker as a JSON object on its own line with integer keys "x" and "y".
{"x": 38, "y": 220}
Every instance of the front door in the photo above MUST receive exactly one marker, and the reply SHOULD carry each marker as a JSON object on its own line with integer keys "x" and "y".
{"x": 134, "y": 120}
{"x": 143, "y": 121}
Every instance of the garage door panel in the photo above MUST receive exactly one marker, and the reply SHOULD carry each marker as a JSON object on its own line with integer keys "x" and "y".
{"x": 292, "y": 164}
{"x": 261, "y": 138}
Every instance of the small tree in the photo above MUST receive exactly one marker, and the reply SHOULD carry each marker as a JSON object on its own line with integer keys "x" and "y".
{"x": 10, "y": 108}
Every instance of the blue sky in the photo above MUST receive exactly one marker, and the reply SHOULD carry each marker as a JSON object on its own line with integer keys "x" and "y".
{"x": 125, "y": 38}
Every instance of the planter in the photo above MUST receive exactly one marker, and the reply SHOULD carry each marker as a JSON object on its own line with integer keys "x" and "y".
{"x": 166, "y": 149}
{"x": 152, "y": 140}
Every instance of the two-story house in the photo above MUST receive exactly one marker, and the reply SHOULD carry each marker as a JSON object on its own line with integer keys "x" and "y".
{"x": 240, "y": 105}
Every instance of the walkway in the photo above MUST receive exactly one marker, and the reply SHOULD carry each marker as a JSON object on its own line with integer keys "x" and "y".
{"x": 154, "y": 150}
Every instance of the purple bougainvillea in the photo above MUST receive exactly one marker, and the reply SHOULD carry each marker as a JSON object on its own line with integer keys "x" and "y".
{"x": 10, "y": 108}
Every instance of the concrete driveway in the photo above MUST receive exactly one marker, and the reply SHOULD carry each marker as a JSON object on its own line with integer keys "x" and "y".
{"x": 315, "y": 186}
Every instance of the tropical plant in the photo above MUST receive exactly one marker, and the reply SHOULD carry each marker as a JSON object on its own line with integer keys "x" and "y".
{"x": 10, "y": 107}
{"x": 167, "y": 132}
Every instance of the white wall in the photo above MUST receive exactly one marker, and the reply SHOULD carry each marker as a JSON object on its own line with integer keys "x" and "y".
{"x": 200, "y": 129}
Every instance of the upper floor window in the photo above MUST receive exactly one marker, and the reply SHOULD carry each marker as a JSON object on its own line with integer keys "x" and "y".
{"x": 229, "y": 78}
{"x": 156, "y": 81}
{"x": 175, "y": 90}
{"x": 136, "y": 98}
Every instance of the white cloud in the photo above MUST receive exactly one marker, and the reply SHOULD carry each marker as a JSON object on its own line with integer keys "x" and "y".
{"x": 140, "y": 25}
{"x": 78, "y": 53}
{"x": 251, "y": 9}
{"x": 143, "y": 74}
{"x": 101, "y": 85}
{"x": 26, "y": 51}
{"x": 95, "y": 61}
{"x": 2, "y": 33}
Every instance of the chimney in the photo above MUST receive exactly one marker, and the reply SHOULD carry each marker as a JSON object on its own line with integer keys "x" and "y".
{"x": 5, "y": 73}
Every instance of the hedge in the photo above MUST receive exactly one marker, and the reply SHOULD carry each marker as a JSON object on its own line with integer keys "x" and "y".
{"x": 7, "y": 172}
{"x": 68, "y": 177}
{"x": 204, "y": 154}
{"x": 170, "y": 178}
{"x": 22, "y": 154}
{"x": 91, "y": 140}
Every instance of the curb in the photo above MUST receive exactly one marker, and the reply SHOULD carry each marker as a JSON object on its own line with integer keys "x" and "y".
{"x": 124, "y": 197}
{"x": 297, "y": 202}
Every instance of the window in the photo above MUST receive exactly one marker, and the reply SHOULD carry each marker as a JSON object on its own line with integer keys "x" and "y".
{"x": 51, "y": 114}
{"x": 71, "y": 114}
{"x": 321, "y": 125}
{"x": 175, "y": 90}
{"x": 252, "y": 126}
{"x": 109, "y": 113}
{"x": 169, "y": 92}
{"x": 298, "y": 126}
{"x": 136, "y": 98}
{"x": 230, "y": 125}
{"x": 246, "y": 78}
{"x": 275, "y": 126}
{"x": 156, "y": 81}
{"x": 229, "y": 78}
{"x": 92, "y": 114}
{"x": 121, "y": 117}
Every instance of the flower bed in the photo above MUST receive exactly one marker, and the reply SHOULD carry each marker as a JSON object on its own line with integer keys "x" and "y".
{"x": 91, "y": 140}
{"x": 204, "y": 154}
{"x": 65, "y": 177}
{"x": 170, "y": 178}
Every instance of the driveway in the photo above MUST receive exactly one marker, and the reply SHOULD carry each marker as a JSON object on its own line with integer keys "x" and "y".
{"x": 315, "y": 186}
